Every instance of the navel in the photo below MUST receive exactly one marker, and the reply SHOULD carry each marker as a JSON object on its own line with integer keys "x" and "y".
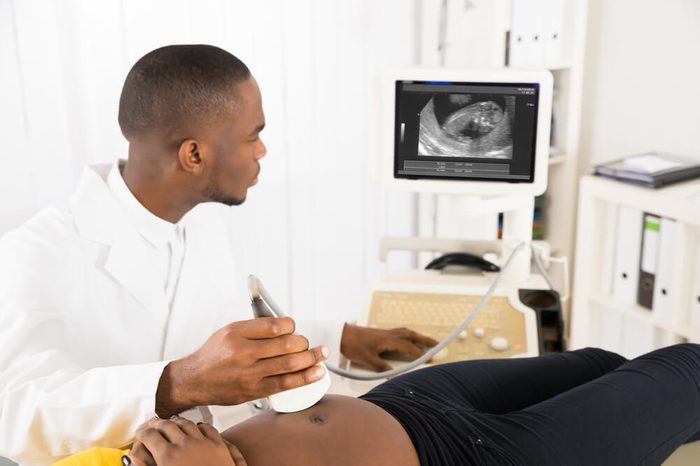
{"x": 317, "y": 419}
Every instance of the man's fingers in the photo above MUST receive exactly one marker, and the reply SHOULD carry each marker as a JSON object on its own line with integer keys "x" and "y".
{"x": 279, "y": 383}
{"x": 417, "y": 338}
{"x": 291, "y": 362}
{"x": 236, "y": 455}
{"x": 405, "y": 346}
{"x": 378, "y": 364}
{"x": 265, "y": 327}
{"x": 285, "y": 344}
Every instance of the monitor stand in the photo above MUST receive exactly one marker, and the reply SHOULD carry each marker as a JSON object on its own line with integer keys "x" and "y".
{"x": 517, "y": 228}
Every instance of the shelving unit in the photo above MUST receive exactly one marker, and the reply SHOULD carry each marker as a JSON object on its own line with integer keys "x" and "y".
{"x": 477, "y": 37}
{"x": 607, "y": 301}
{"x": 563, "y": 169}
{"x": 557, "y": 159}
{"x": 560, "y": 197}
{"x": 593, "y": 301}
{"x": 471, "y": 44}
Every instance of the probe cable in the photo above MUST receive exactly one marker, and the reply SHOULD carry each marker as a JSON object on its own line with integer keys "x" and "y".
{"x": 264, "y": 305}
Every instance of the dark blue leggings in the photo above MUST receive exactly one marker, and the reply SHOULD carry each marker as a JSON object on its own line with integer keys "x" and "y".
{"x": 588, "y": 407}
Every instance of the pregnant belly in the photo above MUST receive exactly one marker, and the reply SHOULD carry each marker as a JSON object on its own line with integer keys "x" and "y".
{"x": 338, "y": 431}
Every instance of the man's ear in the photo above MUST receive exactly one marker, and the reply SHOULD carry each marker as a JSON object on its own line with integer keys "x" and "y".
{"x": 190, "y": 156}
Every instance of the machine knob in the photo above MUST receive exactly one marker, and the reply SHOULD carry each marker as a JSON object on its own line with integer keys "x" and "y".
{"x": 479, "y": 332}
{"x": 499, "y": 344}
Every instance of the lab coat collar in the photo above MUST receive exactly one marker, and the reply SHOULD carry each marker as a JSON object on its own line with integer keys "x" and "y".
{"x": 95, "y": 209}
{"x": 99, "y": 217}
{"x": 156, "y": 230}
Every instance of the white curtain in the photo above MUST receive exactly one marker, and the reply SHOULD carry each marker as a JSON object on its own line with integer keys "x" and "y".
{"x": 310, "y": 228}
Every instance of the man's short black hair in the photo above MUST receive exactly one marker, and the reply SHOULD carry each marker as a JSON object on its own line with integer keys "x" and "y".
{"x": 178, "y": 88}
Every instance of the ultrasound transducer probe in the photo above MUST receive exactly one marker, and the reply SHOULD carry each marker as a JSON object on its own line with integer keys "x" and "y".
{"x": 296, "y": 399}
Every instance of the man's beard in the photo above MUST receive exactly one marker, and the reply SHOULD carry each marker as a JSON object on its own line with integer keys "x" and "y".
{"x": 214, "y": 194}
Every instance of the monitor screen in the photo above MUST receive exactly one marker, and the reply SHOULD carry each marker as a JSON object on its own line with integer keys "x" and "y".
{"x": 475, "y": 131}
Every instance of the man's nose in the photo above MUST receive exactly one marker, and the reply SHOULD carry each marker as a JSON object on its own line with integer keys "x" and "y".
{"x": 262, "y": 150}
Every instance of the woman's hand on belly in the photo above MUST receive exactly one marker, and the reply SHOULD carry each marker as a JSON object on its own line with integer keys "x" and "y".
{"x": 179, "y": 442}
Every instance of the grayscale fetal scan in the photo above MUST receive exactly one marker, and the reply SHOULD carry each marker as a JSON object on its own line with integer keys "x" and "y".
{"x": 467, "y": 125}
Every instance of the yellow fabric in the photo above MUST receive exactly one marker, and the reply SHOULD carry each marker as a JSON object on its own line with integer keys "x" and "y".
{"x": 95, "y": 457}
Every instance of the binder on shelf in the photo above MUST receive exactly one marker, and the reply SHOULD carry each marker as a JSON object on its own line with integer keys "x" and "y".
{"x": 627, "y": 252}
{"x": 648, "y": 260}
{"x": 526, "y": 33}
{"x": 607, "y": 274}
{"x": 537, "y": 32}
{"x": 517, "y": 46}
{"x": 695, "y": 295}
{"x": 553, "y": 31}
{"x": 665, "y": 289}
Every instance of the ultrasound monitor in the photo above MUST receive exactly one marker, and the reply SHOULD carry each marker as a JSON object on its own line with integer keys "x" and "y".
{"x": 475, "y": 132}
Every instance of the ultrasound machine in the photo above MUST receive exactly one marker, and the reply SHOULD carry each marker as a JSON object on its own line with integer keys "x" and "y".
{"x": 481, "y": 136}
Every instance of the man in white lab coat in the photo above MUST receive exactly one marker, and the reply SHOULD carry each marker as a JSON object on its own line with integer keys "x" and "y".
{"x": 120, "y": 306}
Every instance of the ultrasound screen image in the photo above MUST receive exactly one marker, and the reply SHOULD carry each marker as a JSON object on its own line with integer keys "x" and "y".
{"x": 467, "y": 125}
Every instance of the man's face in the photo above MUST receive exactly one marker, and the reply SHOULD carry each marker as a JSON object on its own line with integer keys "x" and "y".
{"x": 235, "y": 148}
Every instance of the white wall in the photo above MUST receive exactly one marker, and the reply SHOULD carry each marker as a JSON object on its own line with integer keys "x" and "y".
{"x": 641, "y": 88}
{"x": 310, "y": 227}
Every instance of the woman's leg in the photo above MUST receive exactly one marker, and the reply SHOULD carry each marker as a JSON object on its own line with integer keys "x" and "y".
{"x": 502, "y": 385}
{"x": 637, "y": 414}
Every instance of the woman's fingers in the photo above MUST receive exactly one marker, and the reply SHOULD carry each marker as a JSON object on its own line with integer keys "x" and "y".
{"x": 178, "y": 441}
{"x": 187, "y": 426}
{"x": 235, "y": 453}
{"x": 209, "y": 432}
{"x": 149, "y": 442}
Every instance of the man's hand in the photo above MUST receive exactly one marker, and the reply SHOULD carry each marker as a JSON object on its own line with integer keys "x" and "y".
{"x": 240, "y": 362}
{"x": 177, "y": 442}
{"x": 363, "y": 344}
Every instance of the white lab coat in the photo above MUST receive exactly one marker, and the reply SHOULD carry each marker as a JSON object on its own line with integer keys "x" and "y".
{"x": 85, "y": 328}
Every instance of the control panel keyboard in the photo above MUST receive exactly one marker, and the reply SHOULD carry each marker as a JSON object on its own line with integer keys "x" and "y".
{"x": 499, "y": 331}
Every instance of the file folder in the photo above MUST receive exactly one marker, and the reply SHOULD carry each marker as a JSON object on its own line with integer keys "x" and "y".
{"x": 517, "y": 46}
{"x": 526, "y": 44}
{"x": 627, "y": 253}
{"x": 695, "y": 295}
{"x": 648, "y": 260}
{"x": 553, "y": 31}
{"x": 607, "y": 273}
{"x": 665, "y": 290}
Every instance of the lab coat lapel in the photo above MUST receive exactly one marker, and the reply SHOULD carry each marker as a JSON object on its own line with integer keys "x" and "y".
{"x": 127, "y": 262}
{"x": 180, "y": 337}
{"x": 100, "y": 217}
{"x": 205, "y": 294}
{"x": 186, "y": 329}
